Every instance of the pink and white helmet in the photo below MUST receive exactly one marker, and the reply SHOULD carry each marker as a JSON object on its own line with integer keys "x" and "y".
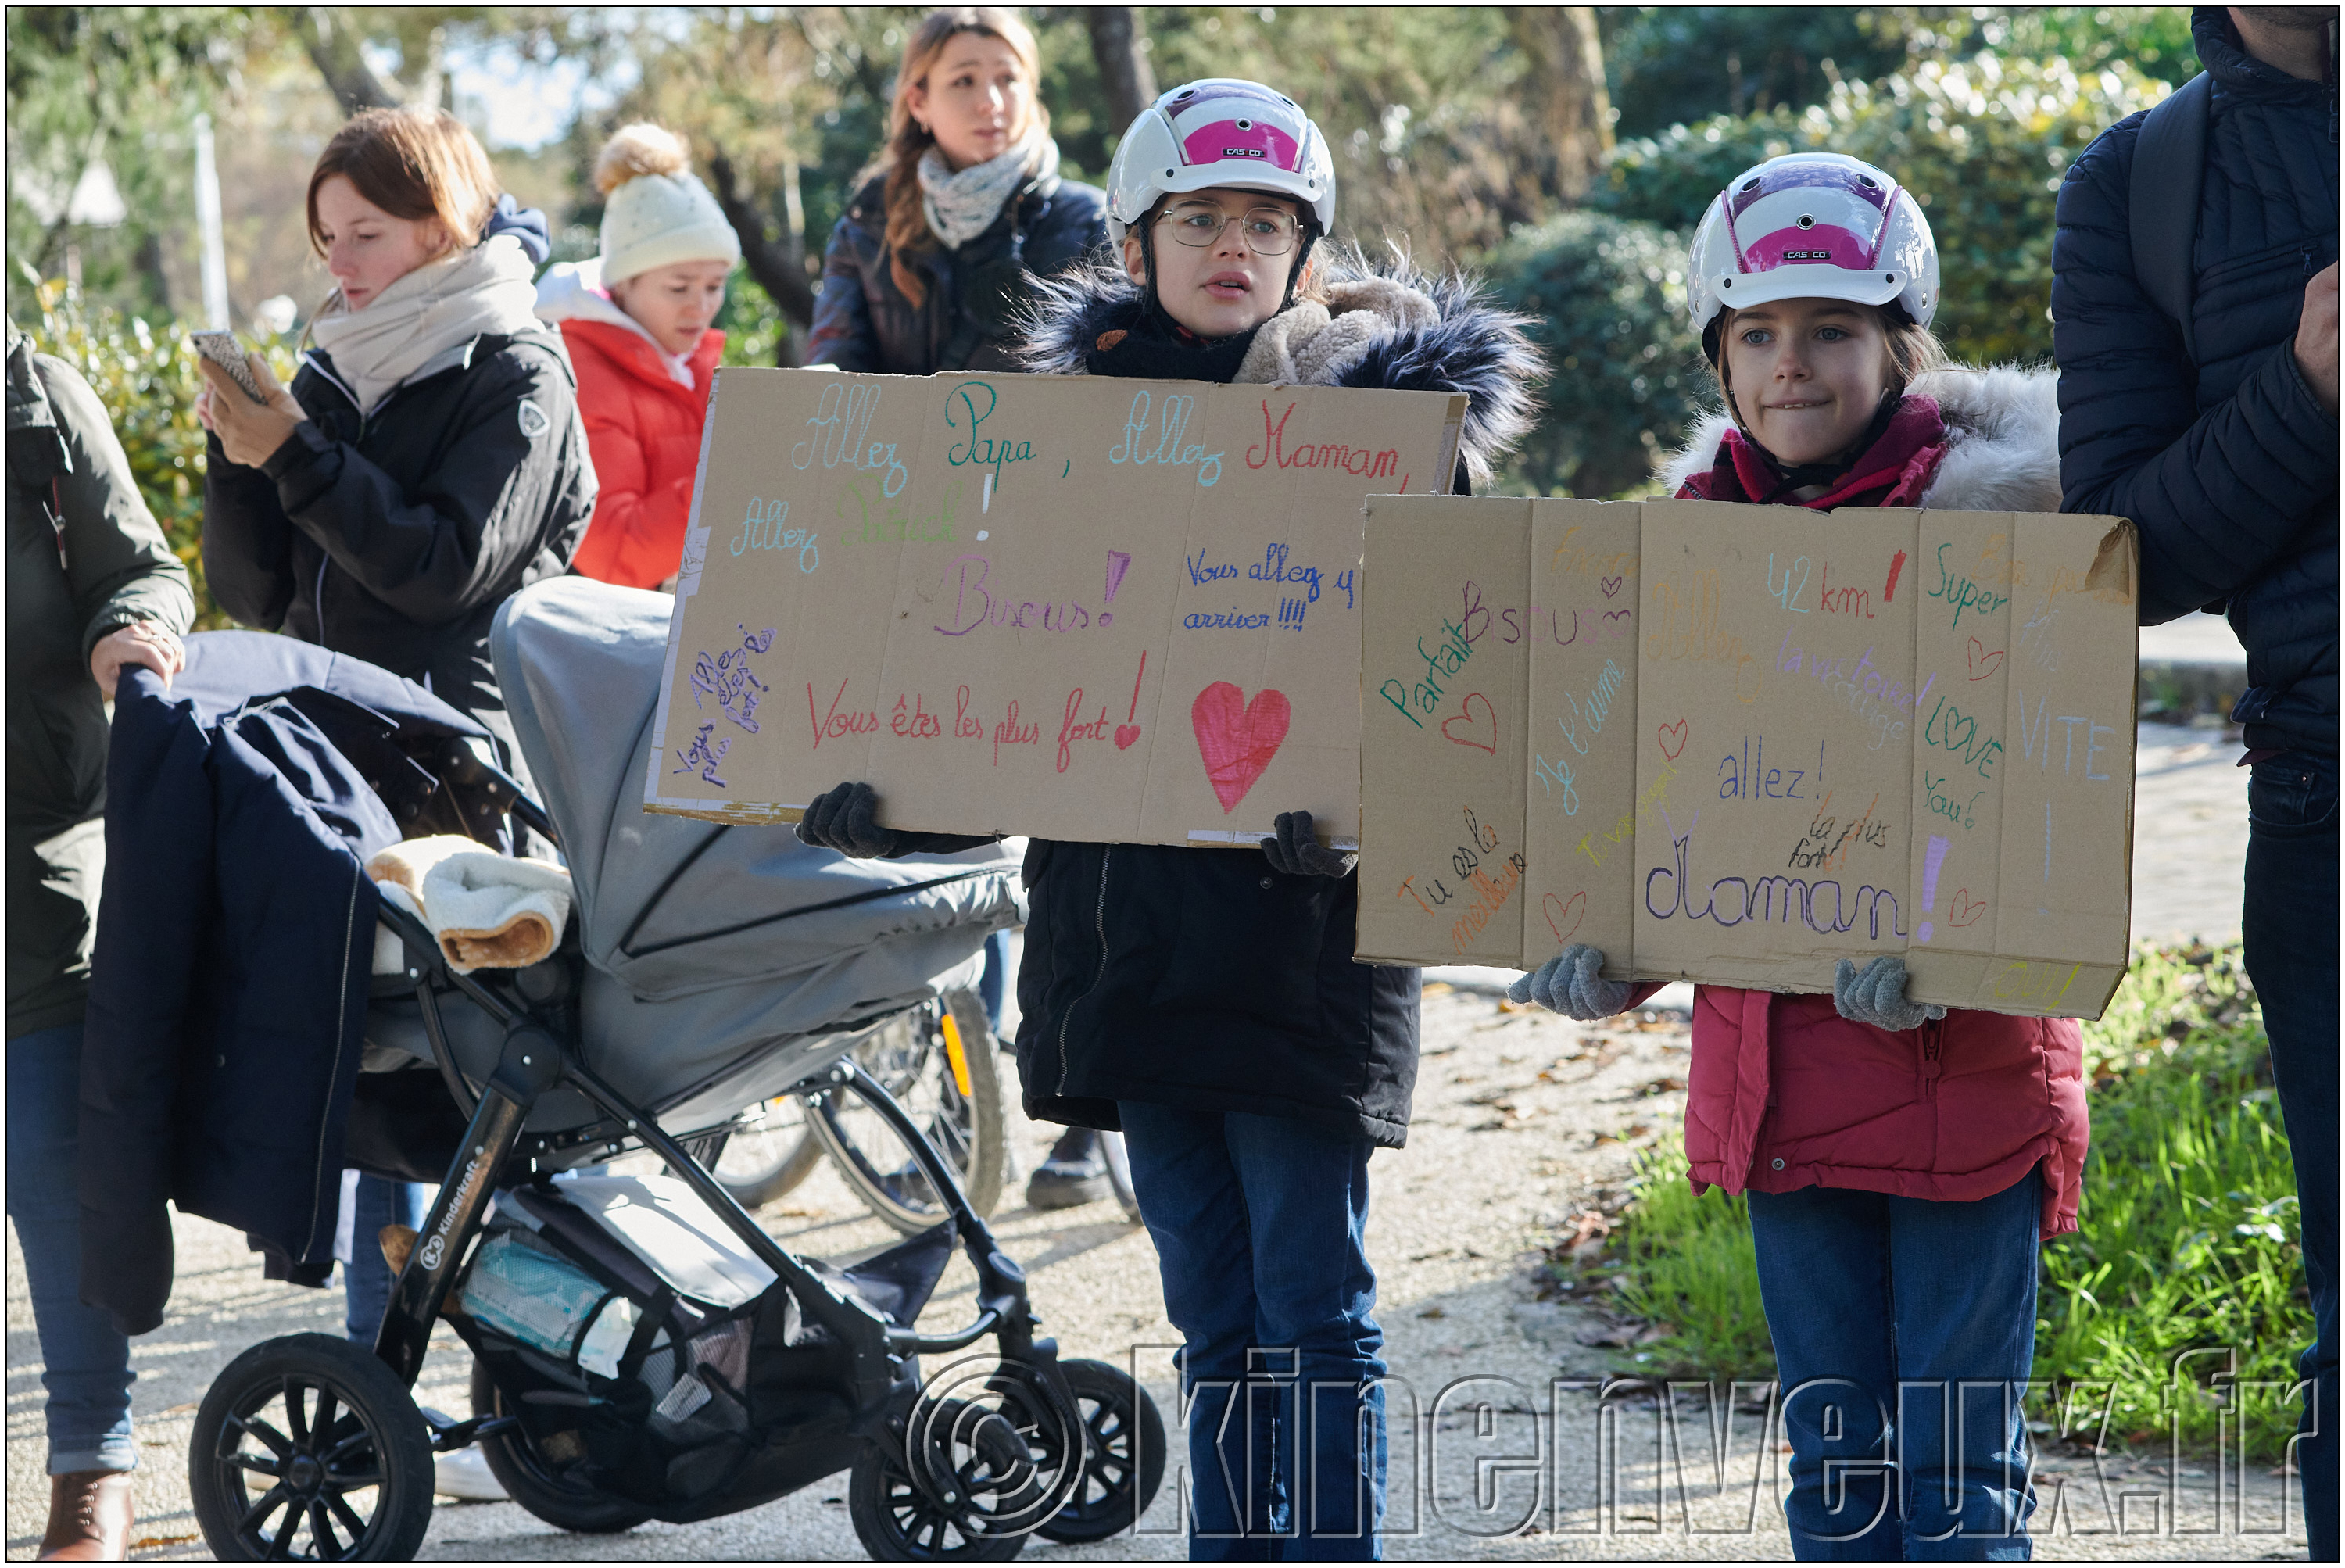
{"x": 1812, "y": 225}
{"x": 1219, "y": 131}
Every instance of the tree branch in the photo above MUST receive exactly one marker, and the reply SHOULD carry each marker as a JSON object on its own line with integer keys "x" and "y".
{"x": 1119, "y": 44}
{"x": 333, "y": 48}
{"x": 769, "y": 263}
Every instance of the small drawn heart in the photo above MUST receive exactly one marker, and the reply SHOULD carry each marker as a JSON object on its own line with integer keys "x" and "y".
{"x": 1983, "y": 663}
{"x": 1125, "y": 734}
{"x": 1466, "y": 718}
{"x": 1610, "y": 585}
{"x": 1964, "y": 910}
{"x": 1668, "y": 733}
{"x": 1562, "y": 917}
{"x": 1237, "y": 738}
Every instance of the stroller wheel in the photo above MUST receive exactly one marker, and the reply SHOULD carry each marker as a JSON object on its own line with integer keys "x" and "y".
{"x": 308, "y": 1447}
{"x": 542, "y": 1487}
{"x": 770, "y": 1156}
{"x": 899, "y": 1521}
{"x": 1123, "y": 1464}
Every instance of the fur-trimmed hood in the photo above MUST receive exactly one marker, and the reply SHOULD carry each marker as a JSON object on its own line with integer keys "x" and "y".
{"x": 1428, "y": 333}
{"x": 2003, "y": 441}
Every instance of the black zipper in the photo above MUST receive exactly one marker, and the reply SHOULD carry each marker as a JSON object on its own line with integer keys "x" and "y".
{"x": 1934, "y": 1031}
{"x": 1100, "y": 920}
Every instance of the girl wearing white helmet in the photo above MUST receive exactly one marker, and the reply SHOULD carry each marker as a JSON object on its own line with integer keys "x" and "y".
{"x": 1206, "y": 1001}
{"x": 1901, "y": 1162}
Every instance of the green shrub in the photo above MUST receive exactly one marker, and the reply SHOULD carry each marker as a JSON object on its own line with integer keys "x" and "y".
{"x": 1981, "y": 143}
{"x": 1607, "y": 301}
{"x": 147, "y": 377}
{"x": 2189, "y": 1242}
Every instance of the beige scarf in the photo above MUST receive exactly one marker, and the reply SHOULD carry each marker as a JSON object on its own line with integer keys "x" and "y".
{"x": 1312, "y": 344}
{"x": 440, "y": 306}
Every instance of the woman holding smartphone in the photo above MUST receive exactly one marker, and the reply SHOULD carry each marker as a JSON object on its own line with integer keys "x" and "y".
{"x": 427, "y": 463}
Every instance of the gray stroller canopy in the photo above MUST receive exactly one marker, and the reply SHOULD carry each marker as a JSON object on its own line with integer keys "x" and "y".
{"x": 717, "y": 956}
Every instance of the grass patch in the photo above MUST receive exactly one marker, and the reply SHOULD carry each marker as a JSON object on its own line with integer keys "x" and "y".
{"x": 2189, "y": 1245}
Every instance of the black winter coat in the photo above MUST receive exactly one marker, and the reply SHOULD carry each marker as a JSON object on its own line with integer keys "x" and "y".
{"x": 85, "y": 558}
{"x": 2229, "y": 470}
{"x": 1202, "y": 979}
{"x": 394, "y": 536}
{"x": 862, "y": 321}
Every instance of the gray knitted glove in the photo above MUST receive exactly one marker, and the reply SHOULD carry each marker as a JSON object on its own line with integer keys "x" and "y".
{"x": 846, "y": 819}
{"x": 1567, "y": 984}
{"x": 1297, "y": 854}
{"x": 1877, "y": 996}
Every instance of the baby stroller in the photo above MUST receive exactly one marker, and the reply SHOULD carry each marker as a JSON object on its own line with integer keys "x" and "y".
{"x": 643, "y": 1349}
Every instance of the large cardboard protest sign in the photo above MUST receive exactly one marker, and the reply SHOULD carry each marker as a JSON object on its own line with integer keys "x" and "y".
{"x": 1734, "y": 744}
{"x": 1087, "y": 609}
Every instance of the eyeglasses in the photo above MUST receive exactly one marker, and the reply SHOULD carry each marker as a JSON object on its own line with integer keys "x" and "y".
{"x": 1268, "y": 231}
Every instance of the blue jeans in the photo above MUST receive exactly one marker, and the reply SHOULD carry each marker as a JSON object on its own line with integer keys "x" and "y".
{"x": 366, "y": 1277}
{"x": 2290, "y": 926}
{"x": 85, "y": 1362}
{"x": 994, "y": 979}
{"x": 1257, "y": 1224}
{"x": 1864, "y": 1293}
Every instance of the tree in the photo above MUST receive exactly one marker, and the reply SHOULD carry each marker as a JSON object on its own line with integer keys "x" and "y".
{"x": 1120, "y": 46}
{"x": 1567, "y": 80}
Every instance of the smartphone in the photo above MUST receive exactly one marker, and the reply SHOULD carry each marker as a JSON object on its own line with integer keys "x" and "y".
{"x": 224, "y": 351}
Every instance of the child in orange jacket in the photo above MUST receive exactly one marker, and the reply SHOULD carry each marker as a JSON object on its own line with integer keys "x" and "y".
{"x": 636, "y": 319}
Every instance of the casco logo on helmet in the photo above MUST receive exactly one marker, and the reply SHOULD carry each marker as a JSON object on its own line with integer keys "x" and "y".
{"x": 1807, "y": 255}
{"x": 1244, "y": 152}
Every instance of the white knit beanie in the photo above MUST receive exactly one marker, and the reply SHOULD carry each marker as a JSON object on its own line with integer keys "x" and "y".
{"x": 657, "y": 210}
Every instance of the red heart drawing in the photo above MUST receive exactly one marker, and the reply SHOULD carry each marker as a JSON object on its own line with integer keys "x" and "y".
{"x": 1669, "y": 732}
{"x": 1983, "y": 663}
{"x": 1237, "y": 738}
{"x": 1610, "y": 585}
{"x": 1562, "y": 917}
{"x": 1466, "y": 718}
{"x": 1125, "y": 734}
{"x": 1964, "y": 910}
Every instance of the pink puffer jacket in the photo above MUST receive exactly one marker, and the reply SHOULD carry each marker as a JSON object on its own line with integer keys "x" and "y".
{"x": 1783, "y": 1091}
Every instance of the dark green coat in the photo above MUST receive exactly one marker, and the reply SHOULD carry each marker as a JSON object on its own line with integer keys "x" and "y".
{"x": 84, "y": 557}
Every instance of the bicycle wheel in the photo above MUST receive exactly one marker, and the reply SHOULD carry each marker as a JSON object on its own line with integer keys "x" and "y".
{"x": 910, "y": 1057}
{"x": 770, "y": 1153}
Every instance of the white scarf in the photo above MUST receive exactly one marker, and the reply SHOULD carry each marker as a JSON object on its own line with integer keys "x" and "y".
{"x": 439, "y": 306}
{"x": 961, "y": 206}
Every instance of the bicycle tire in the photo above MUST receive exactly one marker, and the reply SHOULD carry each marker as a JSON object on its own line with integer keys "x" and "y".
{"x": 980, "y": 1122}
{"x": 761, "y": 1184}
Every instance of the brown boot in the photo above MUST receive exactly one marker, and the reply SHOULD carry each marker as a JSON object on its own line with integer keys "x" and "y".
{"x": 89, "y": 1517}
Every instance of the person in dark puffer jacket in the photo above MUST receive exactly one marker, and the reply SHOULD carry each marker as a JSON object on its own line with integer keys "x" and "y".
{"x": 927, "y": 269}
{"x": 2228, "y": 469}
{"x": 1204, "y": 1001}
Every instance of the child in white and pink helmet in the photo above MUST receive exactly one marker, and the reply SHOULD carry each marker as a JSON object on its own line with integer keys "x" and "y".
{"x": 1204, "y": 1001}
{"x": 1901, "y": 1161}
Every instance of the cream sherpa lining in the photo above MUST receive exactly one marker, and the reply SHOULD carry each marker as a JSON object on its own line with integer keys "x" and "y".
{"x": 1312, "y": 344}
{"x": 488, "y": 911}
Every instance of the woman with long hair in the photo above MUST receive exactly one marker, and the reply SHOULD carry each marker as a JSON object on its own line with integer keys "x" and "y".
{"x": 931, "y": 271}
{"x": 926, "y": 271}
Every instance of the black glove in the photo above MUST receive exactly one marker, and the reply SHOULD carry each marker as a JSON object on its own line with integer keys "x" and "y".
{"x": 1295, "y": 852}
{"x": 846, "y": 819}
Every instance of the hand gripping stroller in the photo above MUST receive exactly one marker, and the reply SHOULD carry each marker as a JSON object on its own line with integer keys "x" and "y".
{"x": 642, "y": 1348}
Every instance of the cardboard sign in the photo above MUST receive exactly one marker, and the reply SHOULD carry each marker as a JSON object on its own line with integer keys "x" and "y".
{"x": 1115, "y": 610}
{"x": 1735, "y": 744}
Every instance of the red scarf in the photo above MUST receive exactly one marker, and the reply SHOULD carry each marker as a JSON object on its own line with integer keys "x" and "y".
{"x": 1892, "y": 471}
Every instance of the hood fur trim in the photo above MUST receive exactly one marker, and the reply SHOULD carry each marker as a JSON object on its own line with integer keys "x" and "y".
{"x": 2003, "y": 441}
{"x": 1471, "y": 345}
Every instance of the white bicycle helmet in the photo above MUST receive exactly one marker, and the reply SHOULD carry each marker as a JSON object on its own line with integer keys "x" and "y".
{"x": 1219, "y": 131}
{"x": 1812, "y": 225}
